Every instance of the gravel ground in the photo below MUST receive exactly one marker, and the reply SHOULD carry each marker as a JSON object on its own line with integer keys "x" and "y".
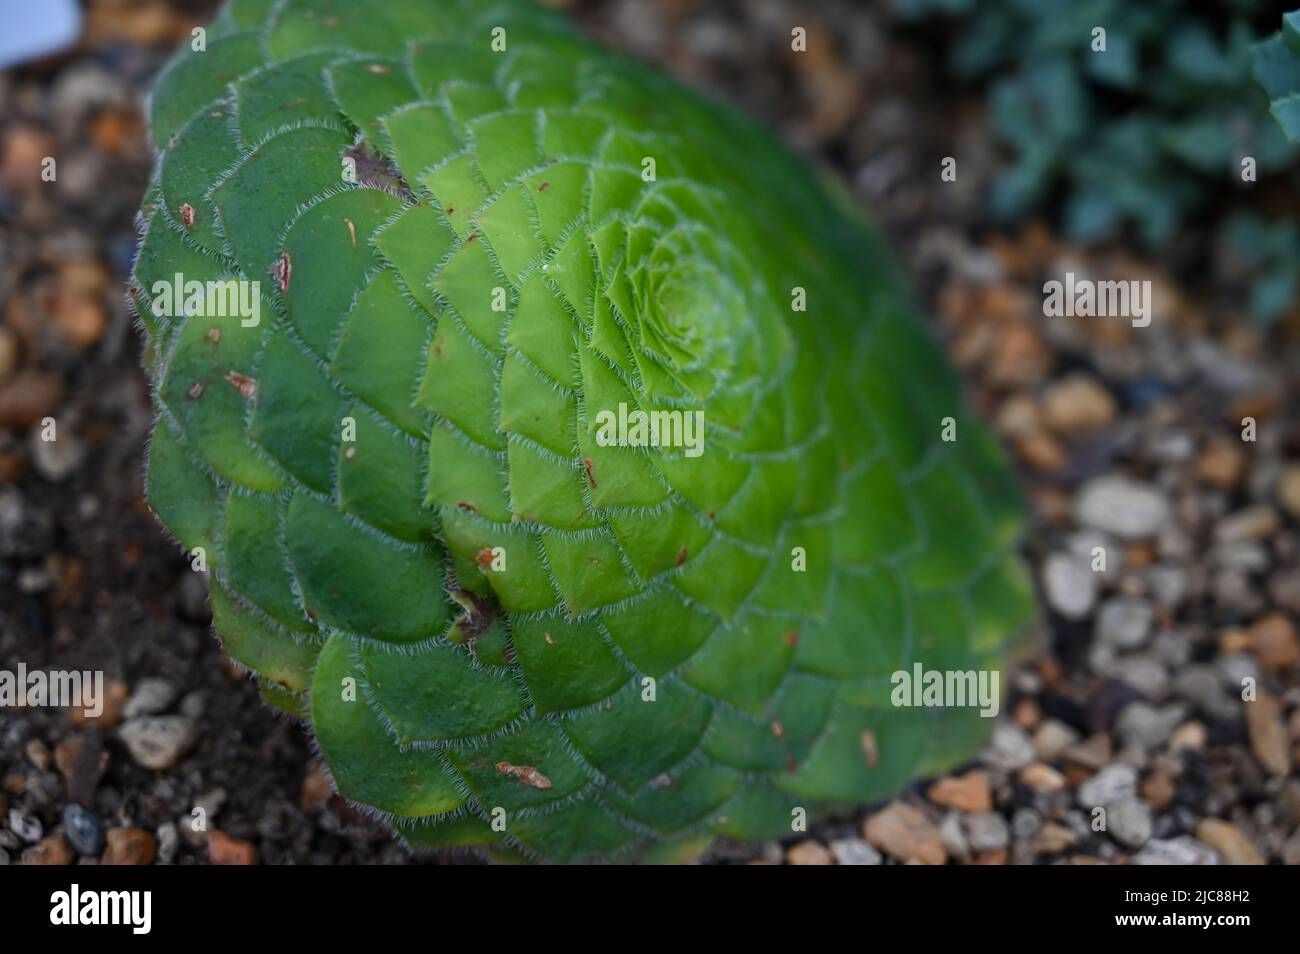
{"x": 1129, "y": 439}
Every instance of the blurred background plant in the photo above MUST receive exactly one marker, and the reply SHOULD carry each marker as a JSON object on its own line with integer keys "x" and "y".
{"x": 1143, "y": 135}
{"x": 1277, "y": 67}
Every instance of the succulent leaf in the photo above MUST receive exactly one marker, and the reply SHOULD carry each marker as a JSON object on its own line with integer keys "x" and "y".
{"x": 1277, "y": 67}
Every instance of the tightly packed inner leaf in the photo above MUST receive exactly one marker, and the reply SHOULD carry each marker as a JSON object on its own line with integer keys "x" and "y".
{"x": 479, "y": 240}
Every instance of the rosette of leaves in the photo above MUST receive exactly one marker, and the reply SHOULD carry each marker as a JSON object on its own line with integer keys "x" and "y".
{"x": 475, "y": 232}
{"x": 1140, "y": 134}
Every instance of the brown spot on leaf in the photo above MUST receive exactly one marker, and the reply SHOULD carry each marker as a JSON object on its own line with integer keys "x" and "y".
{"x": 350, "y": 453}
{"x": 525, "y": 773}
{"x": 196, "y": 390}
{"x": 466, "y": 505}
{"x": 214, "y": 335}
{"x": 870, "y": 750}
{"x": 778, "y": 729}
{"x": 792, "y": 638}
{"x": 681, "y": 557}
{"x": 282, "y": 272}
{"x": 544, "y": 186}
{"x": 245, "y": 385}
{"x": 484, "y": 557}
{"x": 187, "y": 215}
{"x": 549, "y": 640}
{"x": 377, "y": 68}
{"x": 352, "y": 231}
{"x": 591, "y": 472}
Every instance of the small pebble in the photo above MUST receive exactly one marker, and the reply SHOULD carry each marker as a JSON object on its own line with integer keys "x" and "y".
{"x": 1092, "y": 753}
{"x": 53, "y": 850}
{"x": 1025, "y": 823}
{"x": 1288, "y": 490}
{"x": 1169, "y": 585}
{"x": 129, "y": 846}
{"x": 953, "y": 838}
{"x": 1232, "y": 844}
{"x": 1145, "y": 673}
{"x": 58, "y": 459}
{"x": 1052, "y": 839}
{"x": 1291, "y": 850}
{"x": 149, "y": 697}
{"x": 1190, "y": 736}
{"x": 84, "y": 830}
{"x": 1148, "y": 727}
{"x": 158, "y": 742}
{"x": 1202, "y": 686}
{"x": 1284, "y": 588}
{"x": 194, "y": 704}
{"x": 1254, "y": 523}
{"x": 1052, "y": 738}
{"x": 902, "y": 831}
{"x": 987, "y": 831}
{"x": 1009, "y": 748}
{"x": 1233, "y": 590}
{"x": 9, "y": 351}
{"x": 316, "y": 788}
{"x": 1235, "y": 669}
{"x": 1220, "y": 464}
{"x": 1129, "y": 822}
{"x": 168, "y": 842}
{"x": 1042, "y": 778}
{"x": 1070, "y": 585}
{"x": 1112, "y": 783}
{"x": 1183, "y": 850}
{"x": 1128, "y": 509}
{"x": 855, "y": 851}
{"x": 1273, "y": 639}
{"x": 966, "y": 793}
{"x": 1268, "y": 735}
{"x": 28, "y": 397}
{"x": 226, "y": 850}
{"x": 1124, "y": 623}
{"x": 804, "y": 853}
{"x": 1078, "y": 403}
{"x": 26, "y": 827}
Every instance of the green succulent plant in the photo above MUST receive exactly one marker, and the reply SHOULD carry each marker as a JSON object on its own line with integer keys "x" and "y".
{"x": 477, "y": 236}
{"x": 1277, "y": 67}
{"x": 1144, "y": 133}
